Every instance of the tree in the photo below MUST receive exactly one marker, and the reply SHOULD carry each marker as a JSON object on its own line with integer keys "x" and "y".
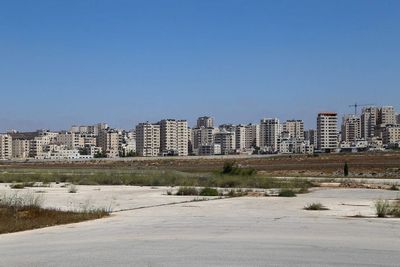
{"x": 346, "y": 169}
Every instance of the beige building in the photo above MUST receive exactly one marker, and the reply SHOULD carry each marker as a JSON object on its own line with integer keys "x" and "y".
{"x": 327, "y": 134}
{"x": 5, "y": 146}
{"x": 148, "y": 139}
{"x": 294, "y": 128}
{"x": 174, "y": 137}
{"x": 252, "y": 136}
{"x": 240, "y": 138}
{"x": 386, "y": 116}
{"x": 227, "y": 141}
{"x": 70, "y": 140}
{"x": 206, "y": 122}
{"x": 202, "y": 136}
{"x": 398, "y": 119}
{"x": 391, "y": 135}
{"x": 351, "y": 128}
{"x": 369, "y": 121}
{"x": 20, "y": 148}
{"x": 270, "y": 131}
{"x": 108, "y": 140}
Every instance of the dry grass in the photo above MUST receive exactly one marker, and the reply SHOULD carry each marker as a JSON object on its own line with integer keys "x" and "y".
{"x": 20, "y": 212}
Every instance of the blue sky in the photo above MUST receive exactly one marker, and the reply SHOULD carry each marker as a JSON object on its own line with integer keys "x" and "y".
{"x": 123, "y": 62}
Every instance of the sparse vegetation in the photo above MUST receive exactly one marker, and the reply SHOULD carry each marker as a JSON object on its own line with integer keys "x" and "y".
{"x": 287, "y": 193}
{"x": 19, "y": 212}
{"x": 233, "y": 168}
{"x": 382, "y": 208}
{"x": 187, "y": 191}
{"x": 394, "y": 187}
{"x": 315, "y": 206}
{"x": 210, "y": 192}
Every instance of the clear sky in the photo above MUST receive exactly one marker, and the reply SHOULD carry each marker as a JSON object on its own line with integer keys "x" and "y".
{"x": 123, "y": 62}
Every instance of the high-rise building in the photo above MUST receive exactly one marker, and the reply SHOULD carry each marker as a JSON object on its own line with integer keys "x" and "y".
{"x": 351, "y": 128}
{"x": 70, "y": 140}
{"x": 240, "y": 137}
{"x": 327, "y": 134}
{"x": 226, "y": 140}
{"x": 270, "y": 131}
{"x": 206, "y": 122}
{"x": 386, "y": 116}
{"x": 108, "y": 140}
{"x": 398, "y": 119}
{"x": 174, "y": 137}
{"x": 252, "y": 136}
{"x": 202, "y": 136}
{"x": 294, "y": 128}
{"x": 148, "y": 139}
{"x": 369, "y": 121}
{"x": 5, "y": 146}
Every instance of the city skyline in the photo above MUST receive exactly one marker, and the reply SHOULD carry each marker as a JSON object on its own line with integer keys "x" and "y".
{"x": 124, "y": 62}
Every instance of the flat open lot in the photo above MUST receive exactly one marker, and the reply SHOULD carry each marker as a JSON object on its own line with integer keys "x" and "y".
{"x": 247, "y": 231}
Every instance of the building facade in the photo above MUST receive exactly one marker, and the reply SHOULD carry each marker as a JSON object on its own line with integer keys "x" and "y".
{"x": 270, "y": 131}
{"x": 327, "y": 134}
{"x": 148, "y": 139}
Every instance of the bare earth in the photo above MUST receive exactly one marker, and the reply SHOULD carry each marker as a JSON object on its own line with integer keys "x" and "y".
{"x": 248, "y": 231}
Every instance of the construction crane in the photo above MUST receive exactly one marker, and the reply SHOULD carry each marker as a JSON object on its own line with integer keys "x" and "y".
{"x": 359, "y": 105}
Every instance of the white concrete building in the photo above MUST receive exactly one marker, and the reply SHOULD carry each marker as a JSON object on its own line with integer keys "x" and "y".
{"x": 70, "y": 140}
{"x": 327, "y": 134}
{"x": 202, "y": 136}
{"x": 148, "y": 139}
{"x": 5, "y": 146}
{"x": 240, "y": 135}
{"x": 270, "y": 131}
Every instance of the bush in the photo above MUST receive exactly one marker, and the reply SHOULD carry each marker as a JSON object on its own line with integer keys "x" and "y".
{"x": 233, "y": 169}
{"x": 394, "y": 187}
{"x": 17, "y": 186}
{"x": 395, "y": 209}
{"x": 208, "y": 191}
{"x": 346, "y": 169}
{"x": 287, "y": 193}
{"x": 315, "y": 206}
{"x": 382, "y": 208}
{"x": 187, "y": 191}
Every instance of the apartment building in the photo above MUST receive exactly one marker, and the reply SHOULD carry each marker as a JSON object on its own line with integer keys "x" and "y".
{"x": 174, "y": 137}
{"x": 294, "y": 128}
{"x": 38, "y": 144}
{"x": 227, "y": 141}
{"x": 270, "y": 130}
{"x": 391, "y": 135}
{"x": 148, "y": 139}
{"x": 351, "y": 128}
{"x": 240, "y": 135}
{"x": 206, "y": 122}
{"x": 5, "y": 146}
{"x": 108, "y": 140}
{"x": 202, "y": 136}
{"x": 327, "y": 134}
{"x": 252, "y": 133}
{"x": 386, "y": 116}
{"x": 71, "y": 140}
{"x": 20, "y": 148}
{"x": 311, "y": 136}
{"x": 369, "y": 121}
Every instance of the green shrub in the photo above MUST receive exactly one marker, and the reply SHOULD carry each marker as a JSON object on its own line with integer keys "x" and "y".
{"x": 17, "y": 186}
{"x": 187, "y": 191}
{"x": 208, "y": 191}
{"x": 287, "y": 193}
{"x": 315, "y": 206}
{"x": 382, "y": 208}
